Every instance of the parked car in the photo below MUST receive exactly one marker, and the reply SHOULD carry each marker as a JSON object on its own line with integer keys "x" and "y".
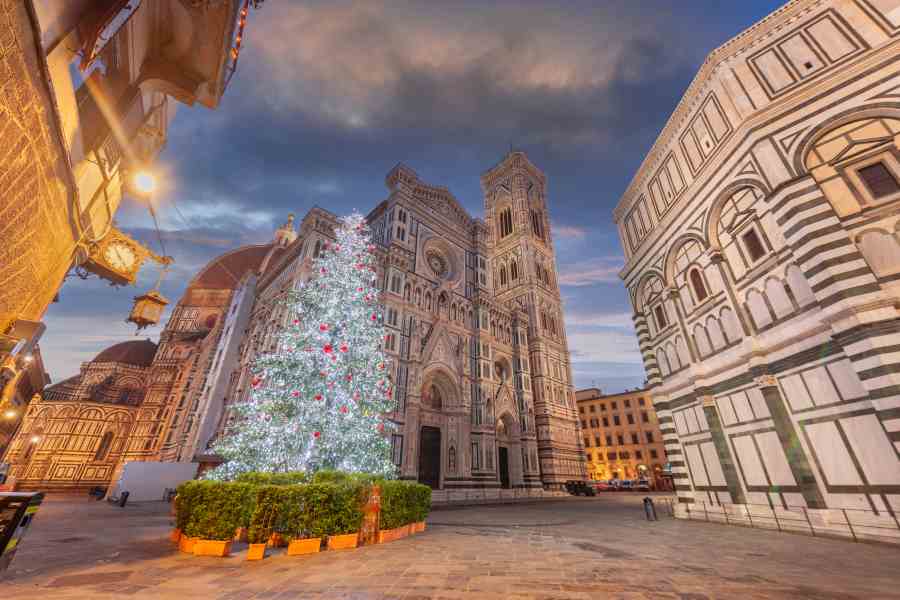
{"x": 642, "y": 485}
{"x": 579, "y": 488}
{"x": 626, "y": 485}
{"x": 603, "y": 486}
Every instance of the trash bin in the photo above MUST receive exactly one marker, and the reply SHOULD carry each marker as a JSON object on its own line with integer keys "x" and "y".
{"x": 17, "y": 511}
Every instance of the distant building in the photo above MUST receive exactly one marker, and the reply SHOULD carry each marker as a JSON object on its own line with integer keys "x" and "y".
{"x": 762, "y": 242}
{"x": 621, "y": 435}
{"x": 79, "y": 430}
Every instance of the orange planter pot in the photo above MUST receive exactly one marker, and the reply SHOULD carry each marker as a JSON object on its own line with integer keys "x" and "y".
{"x": 343, "y": 542}
{"x": 391, "y": 535}
{"x": 256, "y": 552}
{"x": 304, "y": 546}
{"x": 186, "y": 544}
{"x": 276, "y": 540}
{"x": 175, "y": 536}
{"x": 212, "y": 548}
{"x": 419, "y": 527}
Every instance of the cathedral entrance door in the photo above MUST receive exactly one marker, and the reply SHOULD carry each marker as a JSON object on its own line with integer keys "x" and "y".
{"x": 430, "y": 457}
{"x": 503, "y": 464}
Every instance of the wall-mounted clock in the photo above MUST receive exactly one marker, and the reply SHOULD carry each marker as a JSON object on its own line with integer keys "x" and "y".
{"x": 116, "y": 258}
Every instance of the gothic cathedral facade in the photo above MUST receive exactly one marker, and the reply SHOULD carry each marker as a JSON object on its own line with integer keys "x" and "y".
{"x": 484, "y": 395}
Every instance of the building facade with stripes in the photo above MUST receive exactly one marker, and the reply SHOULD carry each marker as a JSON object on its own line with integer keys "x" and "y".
{"x": 762, "y": 242}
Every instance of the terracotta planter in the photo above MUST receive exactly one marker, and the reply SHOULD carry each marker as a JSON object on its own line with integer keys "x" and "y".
{"x": 256, "y": 552}
{"x": 276, "y": 540}
{"x": 391, "y": 535}
{"x": 419, "y": 527}
{"x": 186, "y": 544}
{"x": 175, "y": 536}
{"x": 212, "y": 548}
{"x": 343, "y": 542}
{"x": 304, "y": 546}
{"x": 240, "y": 534}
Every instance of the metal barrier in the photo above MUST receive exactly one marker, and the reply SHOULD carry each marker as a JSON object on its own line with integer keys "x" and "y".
{"x": 857, "y": 524}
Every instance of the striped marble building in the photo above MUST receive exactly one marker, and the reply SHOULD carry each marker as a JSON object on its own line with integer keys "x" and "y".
{"x": 762, "y": 236}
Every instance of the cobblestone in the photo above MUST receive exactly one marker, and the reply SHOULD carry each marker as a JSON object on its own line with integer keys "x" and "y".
{"x": 567, "y": 549}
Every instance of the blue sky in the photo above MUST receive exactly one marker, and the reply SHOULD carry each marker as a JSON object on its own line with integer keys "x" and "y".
{"x": 329, "y": 96}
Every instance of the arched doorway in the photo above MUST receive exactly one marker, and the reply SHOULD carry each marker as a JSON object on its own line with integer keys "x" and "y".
{"x": 507, "y": 446}
{"x": 438, "y": 393}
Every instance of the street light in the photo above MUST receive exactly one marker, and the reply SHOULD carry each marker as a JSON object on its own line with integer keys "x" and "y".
{"x": 144, "y": 182}
{"x": 10, "y": 414}
{"x": 35, "y": 439}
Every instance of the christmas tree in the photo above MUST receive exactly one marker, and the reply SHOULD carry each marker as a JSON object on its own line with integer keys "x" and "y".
{"x": 318, "y": 401}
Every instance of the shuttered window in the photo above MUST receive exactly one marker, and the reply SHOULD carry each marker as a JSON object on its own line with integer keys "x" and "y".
{"x": 879, "y": 179}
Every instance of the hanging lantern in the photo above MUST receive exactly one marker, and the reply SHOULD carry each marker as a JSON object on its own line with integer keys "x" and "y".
{"x": 147, "y": 309}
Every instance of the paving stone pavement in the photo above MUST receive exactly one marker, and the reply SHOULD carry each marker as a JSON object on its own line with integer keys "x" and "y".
{"x": 575, "y": 548}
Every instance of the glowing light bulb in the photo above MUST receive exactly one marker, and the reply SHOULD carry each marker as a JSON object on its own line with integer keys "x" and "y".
{"x": 144, "y": 182}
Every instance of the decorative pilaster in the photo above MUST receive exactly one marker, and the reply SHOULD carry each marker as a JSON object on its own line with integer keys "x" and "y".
{"x": 732, "y": 479}
{"x": 790, "y": 442}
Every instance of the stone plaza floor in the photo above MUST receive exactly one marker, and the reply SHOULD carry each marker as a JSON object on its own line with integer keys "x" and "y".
{"x": 572, "y": 548}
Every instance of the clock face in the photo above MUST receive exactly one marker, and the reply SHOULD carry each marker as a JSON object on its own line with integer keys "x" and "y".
{"x": 120, "y": 256}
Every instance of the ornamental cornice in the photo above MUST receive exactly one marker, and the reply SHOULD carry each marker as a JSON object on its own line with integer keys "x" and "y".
{"x": 761, "y": 32}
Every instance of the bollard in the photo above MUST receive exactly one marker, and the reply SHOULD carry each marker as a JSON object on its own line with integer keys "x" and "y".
{"x": 123, "y": 498}
{"x": 650, "y": 510}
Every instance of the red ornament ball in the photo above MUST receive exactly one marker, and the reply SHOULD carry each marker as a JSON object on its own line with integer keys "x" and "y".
{"x": 295, "y": 393}
{"x": 296, "y": 321}
{"x": 318, "y": 396}
{"x": 374, "y": 316}
{"x": 256, "y": 381}
{"x": 344, "y": 409}
{"x": 316, "y": 434}
{"x": 327, "y": 349}
{"x": 343, "y": 348}
{"x": 323, "y": 327}
{"x": 359, "y": 289}
{"x": 323, "y": 270}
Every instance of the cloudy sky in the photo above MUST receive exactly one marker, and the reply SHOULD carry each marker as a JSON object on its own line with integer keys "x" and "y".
{"x": 329, "y": 96}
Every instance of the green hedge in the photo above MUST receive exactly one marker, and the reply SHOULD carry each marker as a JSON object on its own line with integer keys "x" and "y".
{"x": 215, "y": 510}
{"x": 403, "y": 502}
{"x": 332, "y": 504}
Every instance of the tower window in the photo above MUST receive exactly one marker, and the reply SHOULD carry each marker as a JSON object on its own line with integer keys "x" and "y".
{"x": 537, "y": 226}
{"x": 879, "y": 179}
{"x": 660, "y": 314}
{"x": 502, "y": 275}
{"x": 753, "y": 245}
{"x": 505, "y": 222}
{"x": 513, "y": 271}
{"x": 700, "y": 291}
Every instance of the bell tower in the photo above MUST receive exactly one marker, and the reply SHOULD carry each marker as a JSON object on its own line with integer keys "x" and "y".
{"x": 523, "y": 266}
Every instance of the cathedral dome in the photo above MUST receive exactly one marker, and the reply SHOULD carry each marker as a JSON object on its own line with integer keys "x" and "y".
{"x": 224, "y": 272}
{"x": 139, "y": 353}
